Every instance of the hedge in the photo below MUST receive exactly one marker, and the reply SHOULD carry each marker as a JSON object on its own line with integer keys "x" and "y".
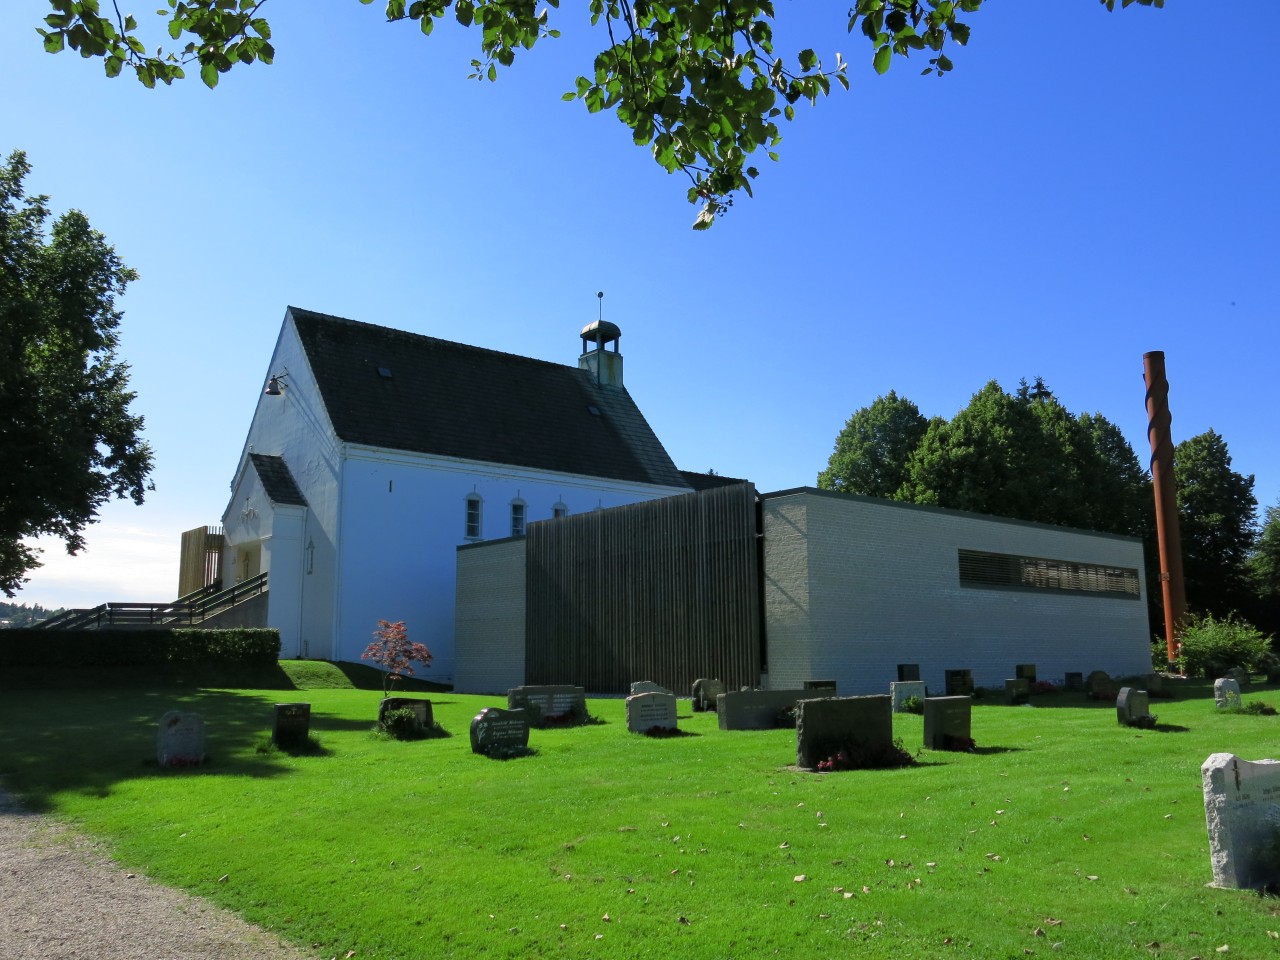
{"x": 127, "y": 648}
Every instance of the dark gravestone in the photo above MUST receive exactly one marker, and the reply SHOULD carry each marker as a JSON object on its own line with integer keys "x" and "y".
{"x": 1025, "y": 671}
{"x": 1017, "y": 691}
{"x": 948, "y": 723}
{"x": 1100, "y": 686}
{"x": 755, "y": 709}
{"x": 292, "y": 725}
{"x": 1074, "y": 681}
{"x": 908, "y": 672}
{"x": 496, "y": 732}
{"x": 421, "y": 709}
{"x": 547, "y": 705}
{"x": 1133, "y": 708}
{"x": 959, "y": 683}
{"x": 826, "y": 686}
{"x": 858, "y": 726}
{"x": 705, "y": 693}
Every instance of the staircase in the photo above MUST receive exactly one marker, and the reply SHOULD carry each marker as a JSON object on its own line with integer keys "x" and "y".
{"x": 187, "y": 611}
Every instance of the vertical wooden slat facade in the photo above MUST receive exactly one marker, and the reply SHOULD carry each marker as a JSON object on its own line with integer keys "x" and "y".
{"x": 666, "y": 590}
{"x": 201, "y": 560}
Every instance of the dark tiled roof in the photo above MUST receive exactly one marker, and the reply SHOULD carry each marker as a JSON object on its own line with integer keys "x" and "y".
{"x": 708, "y": 481}
{"x": 405, "y": 391}
{"x": 276, "y": 479}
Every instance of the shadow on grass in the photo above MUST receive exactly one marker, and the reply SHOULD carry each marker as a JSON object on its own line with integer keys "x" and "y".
{"x": 364, "y": 677}
{"x": 88, "y": 741}
{"x": 985, "y": 751}
{"x": 666, "y": 734}
{"x": 1170, "y": 728}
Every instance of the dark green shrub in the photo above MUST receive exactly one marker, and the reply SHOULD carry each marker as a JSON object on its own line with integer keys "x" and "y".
{"x": 139, "y": 647}
{"x": 913, "y": 705}
{"x": 402, "y": 724}
{"x": 1212, "y": 647}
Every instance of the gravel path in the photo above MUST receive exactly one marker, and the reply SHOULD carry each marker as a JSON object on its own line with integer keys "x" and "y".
{"x": 61, "y": 899}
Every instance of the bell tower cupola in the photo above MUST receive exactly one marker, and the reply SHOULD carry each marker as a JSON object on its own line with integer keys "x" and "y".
{"x": 604, "y": 366}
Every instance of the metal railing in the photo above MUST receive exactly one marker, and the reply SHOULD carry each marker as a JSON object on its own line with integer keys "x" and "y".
{"x": 194, "y": 608}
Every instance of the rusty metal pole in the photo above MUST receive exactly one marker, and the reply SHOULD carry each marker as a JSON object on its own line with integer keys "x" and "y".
{"x": 1167, "y": 536}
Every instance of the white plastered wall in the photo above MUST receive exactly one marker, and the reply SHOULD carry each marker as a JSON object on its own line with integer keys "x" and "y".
{"x": 855, "y": 586}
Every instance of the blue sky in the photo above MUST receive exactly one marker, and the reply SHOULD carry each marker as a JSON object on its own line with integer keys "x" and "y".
{"x": 1085, "y": 187}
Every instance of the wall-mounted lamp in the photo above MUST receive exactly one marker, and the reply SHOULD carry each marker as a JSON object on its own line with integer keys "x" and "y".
{"x": 274, "y": 386}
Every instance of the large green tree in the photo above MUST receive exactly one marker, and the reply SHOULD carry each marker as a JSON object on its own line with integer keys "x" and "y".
{"x": 68, "y": 442}
{"x": 871, "y": 451}
{"x": 1216, "y": 514}
{"x": 698, "y": 81}
{"x": 1264, "y": 566}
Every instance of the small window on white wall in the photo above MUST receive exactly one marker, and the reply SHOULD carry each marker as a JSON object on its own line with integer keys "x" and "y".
{"x": 559, "y": 510}
{"x": 473, "y": 516}
{"x": 518, "y": 512}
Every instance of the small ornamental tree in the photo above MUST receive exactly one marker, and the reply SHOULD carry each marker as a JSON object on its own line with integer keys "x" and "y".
{"x": 392, "y": 650}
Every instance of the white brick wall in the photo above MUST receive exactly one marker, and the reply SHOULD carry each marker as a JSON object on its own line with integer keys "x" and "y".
{"x": 855, "y": 586}
{"x": 490, "y": 617}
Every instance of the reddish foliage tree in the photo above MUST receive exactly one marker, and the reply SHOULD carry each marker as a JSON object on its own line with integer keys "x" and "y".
{"x": 392, "y": 650}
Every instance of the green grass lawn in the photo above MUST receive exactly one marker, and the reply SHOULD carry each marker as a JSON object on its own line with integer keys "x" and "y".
{"x": 1065, "y": 835}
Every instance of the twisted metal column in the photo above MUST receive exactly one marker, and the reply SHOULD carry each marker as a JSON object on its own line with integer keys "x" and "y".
{"x": 1168, "y": 538}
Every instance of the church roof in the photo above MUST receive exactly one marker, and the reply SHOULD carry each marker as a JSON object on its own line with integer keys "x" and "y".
{"x": 406, "y": 391}
{"x": 276, "y": 479}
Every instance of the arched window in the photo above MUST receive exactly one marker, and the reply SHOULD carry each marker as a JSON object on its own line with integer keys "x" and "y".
{"x": 474, "y": 503}
{"x": 519, "y": 511}
{"x": 560, "y": 509}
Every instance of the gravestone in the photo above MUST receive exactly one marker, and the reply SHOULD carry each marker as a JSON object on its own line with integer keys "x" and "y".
{"x": 496, "y": 732}
{"x": 1025, "y": 671}
{"x": 1155, "y": 684}
{"x": 421, "y": 709}
{"x": 1242, "y": 813}
{"x": 1017, "y": 691}
{"x": 1226, "y": 693}
{"x": 959, "y": 683}
{"x": 904, "y": 690}
{"x": 648, "y": 686}
{"x": 550, "y": 704}
{"x": 1133, "y": 708}
{"x": 292, "y": 725}
{"x": 651, "y": 711}
{"x": 908, "y": 672}
{"x": 1240, "y": 675}
{"x": 180, "y": 739}
{"x": 948, "y": 723}
{"x": 1073, "y": 681}
{"x": 859, "y": 726}
{"x": 1100, "y": 686}
{"x": 705, "y": 693}
{"x": 755, "y": 709}
{"x": 820, "y": 686}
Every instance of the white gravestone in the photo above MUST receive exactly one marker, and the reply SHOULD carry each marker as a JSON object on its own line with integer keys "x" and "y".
{"x": 1242, "y": 812}
{"x": 180, "y": 739}
{"x": 645, "y": 711}
{"x": 903, "y": 690}
{"x": 1226, "y": 692}
{"x": 648, "y": 686}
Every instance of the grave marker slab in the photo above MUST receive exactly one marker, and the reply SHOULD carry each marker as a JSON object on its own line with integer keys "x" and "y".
{"x": 1073, "y": 681}
{"x": 1226, "y": 693}
{"x": 650, "y": 711}
{"x": 903, "y": 691}
{"x": 1017, "y": 691}
{"x": 705, "y": 693}
{"x": 856, "y": 725}
{"x": 549, "y": 704}
{"x": 292, "y": 725}
{"x": 754, "y": 709}
{"x": 908, "y": 672}
{"x": 1242, "y": 813}
{"x": 648, "y": 686}
{"x": 959, "y": 683}
{"x": 495, "y": 732}
{"x": 1100, "y": 686}
{"x": 421, "y": 709}
{"x": 180, "y": 739}
{"x": 1240, "y": 675}
{"x": 1025, "y": 671}
{"x": 948, "y": 723}
{"x": 1133, "y": 708}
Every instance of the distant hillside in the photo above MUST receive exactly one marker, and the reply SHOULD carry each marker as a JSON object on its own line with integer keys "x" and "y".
{"x": 21, "y": 615}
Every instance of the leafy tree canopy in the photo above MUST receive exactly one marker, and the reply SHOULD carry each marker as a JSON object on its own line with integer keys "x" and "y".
{"x": 699, "y": 82}
{"x": 1264, "y": 566}
{"x": 68, "y": 442}
{"x": 1216, "y": 512}
{"x": 871, "y": 451}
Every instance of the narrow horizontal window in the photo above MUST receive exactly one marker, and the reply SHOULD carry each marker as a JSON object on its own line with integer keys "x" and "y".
{"x": 981, "y": 569}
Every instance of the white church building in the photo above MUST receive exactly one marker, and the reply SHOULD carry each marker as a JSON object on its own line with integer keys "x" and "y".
{"x": 374, "y": 453}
